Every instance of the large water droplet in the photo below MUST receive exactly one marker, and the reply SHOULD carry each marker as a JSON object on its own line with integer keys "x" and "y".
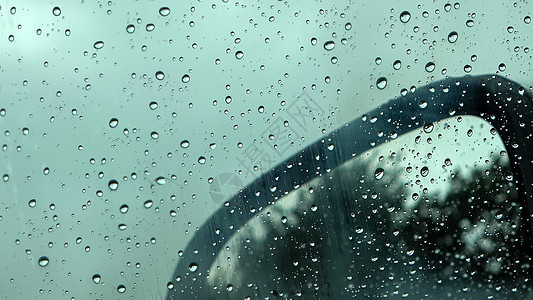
{"x": 379, "y": 173}
{"x": 113, "y": 185}
{"x": 124, "y": 208}
{"x": 193, "y": 267}
{"x": 381, "y": 83}
{"x": 121, "y": 288}
{"x": 397, "y": 64}
{"x": 97, "y": 278}
{"x": 43, "y": 261}
{"x": 130, "y": 28}
{"x": 239, "y": 54}
{"x": 430, "y": 67}
{"x": 160, "y": 180}
{"x": 159, "y": 75}
{"x": 164, "y": 11}
{"x": 452, "y": 37}
{"x": 424, "y": 171}
{"x": 98, "y": 45}
{"x": 113, "y": 123}
{"x": 32, "y": 203}
{"x": 405, "y": 16}
{"x": 184, "y": 144}
{"x": 56, "y": 11}
{"x": 185, "y": 78}
{"x": 329, "y": 45}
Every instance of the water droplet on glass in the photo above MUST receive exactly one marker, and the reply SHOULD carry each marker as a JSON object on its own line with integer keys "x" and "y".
{"x": 150, "y": 27}
{"x": 56, "y": 11}
{"x": 424, "y": 171}
{"x": 97, "y": 278}
{"x": 43, "y": 261}
{"x": 148, "y": 203}
{"x": 124, "y": 208}
{"x": 154, "y": 135}
{"x": 153, "y": 105}
{"x": 428, "y": 128}
{"x": 239, "y": 54}
{"x": 502, "y": 67}
{"x": 113, "y": 123}
{"x": 381, "y": 83}
{"x": 185, "y": 78}
{"x": 193, "y": 267}
{"x": 313, "y": 41}
{"x": 164, "y": 11}
{"x": 98, "y": 45}
{"x": 160, "y": 180}
{"x": 430, "y": 67}
{"x": 452, "y": 37}
{"x": 397, "y": 64}
{"x": 405, "y": 16}
{"x": 121, "y": 288}
{"x": 348, "y": 26}
{"x": 379, "y": 173}
{"x": 201, "y": 160}
{"x": 229, "y": 287}
{"x": 32, "y": 203}
{"x": 329, "y": 45}
{"x": 184, "y": 144}
{"x": 159, "y": 75}
{"x": 130, "y": 28}
{"x": 113, "y": 185}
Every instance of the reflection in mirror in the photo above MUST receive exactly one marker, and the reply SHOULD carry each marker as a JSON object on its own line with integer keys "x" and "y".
{"x": 434, "y": 213}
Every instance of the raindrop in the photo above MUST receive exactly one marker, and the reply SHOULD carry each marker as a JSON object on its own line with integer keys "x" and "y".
{"x": 379, "y": 173}
{"x": 124, "y": 208}
{"x": 185, "y": 78}
{"x": 348, "y": 26}
{"x": 113, "y": 123}
{"x": 452, "y": 37}
{"x": 397, "y": 64}
{"x": 428, "y": 128}
{"x": 164, "y": 11}
{"x": 148, "y": 203}
{"x": 405, "y": 16}
{"x": 201, "y": 160}
{"x": 430, "y": 67}
{"x": 329, "y": 45}
{"x": 56, "y": 11}
{"x": 43, "y": 261}
{"x": 313, "y": 41}
{"x": 150, "y": 27}
{"x": 130, "y": 28}
{"x": 154, "y": 135}
{"x": 527, "y": 19}
{"x": 121, "y": 288}
{"x": 160, "y": 180}
{"x": 97, "y": 278}
{"x": 98, "y": 45}
{"x": 184, "y": 144}
{"x": 381, "y": 83}
{"x": 113, "y": 185}
{"x": 153, "y": 105}
{"x": 193, "y": 267}
{"x": 501, "y": 67}
{"x": 239, "y": 54}
{"x": 159, "y": 75}
{"x": 424, "y": 171}
{"x": 32, "y": 203}
{"x": 229, "y": 287}
{"x": 467, "y": 68}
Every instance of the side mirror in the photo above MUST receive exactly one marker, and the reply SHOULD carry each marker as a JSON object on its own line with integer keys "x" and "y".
{"x": 499, "y": 101}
